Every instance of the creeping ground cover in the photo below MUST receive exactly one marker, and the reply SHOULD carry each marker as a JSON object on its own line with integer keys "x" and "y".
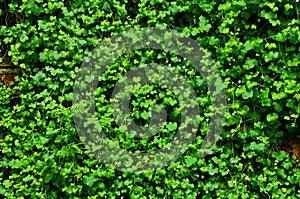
{"x": 193, "y": 99}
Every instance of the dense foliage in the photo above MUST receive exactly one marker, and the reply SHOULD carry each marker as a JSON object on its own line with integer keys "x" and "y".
{"x": 255, "y": 45}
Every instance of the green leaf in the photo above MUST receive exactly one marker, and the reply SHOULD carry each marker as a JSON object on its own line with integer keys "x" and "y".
{"x": 190, "y": 161}
{"x": 56, "y": 55}
{"x": 272, "y": 117}
{"x": 244, "y": 110}
{"x": 172, "y": 126}
{"x": 250, "y": 63}
{"x": 89, "y": 180}
{"x": 159, "y": 190}
{"x": 43, "y": 57}
{"x": 257, "y": 146}
{"x": 247, "y": 94}
{"x": 145, "y": 115}
{"x": 203, "y": 24}
{"x": 123, "y": 128}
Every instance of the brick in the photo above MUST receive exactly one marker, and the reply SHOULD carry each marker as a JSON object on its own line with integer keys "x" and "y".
{"x": 7, "y": 74}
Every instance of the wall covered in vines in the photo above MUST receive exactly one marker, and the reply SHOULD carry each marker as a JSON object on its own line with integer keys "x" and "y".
{"x": 255, "y": 45}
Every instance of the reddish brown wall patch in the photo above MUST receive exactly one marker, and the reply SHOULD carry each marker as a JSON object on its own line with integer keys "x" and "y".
{"x": 7, "y": 74}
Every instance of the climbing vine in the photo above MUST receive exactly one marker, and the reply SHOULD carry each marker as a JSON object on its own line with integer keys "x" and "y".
{"x": 255, "y": 45}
